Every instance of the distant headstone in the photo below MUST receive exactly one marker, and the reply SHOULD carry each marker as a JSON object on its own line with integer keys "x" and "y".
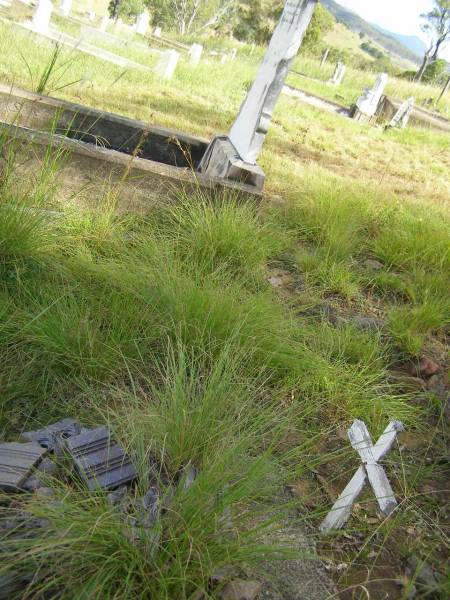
{"x": 367, "y": 103}
{"x": 195, "y": 54}
{"x": 225, "y": 156}
{"x": 324, "y": 57}
{"x": 41, "y": 17}
{"x": 100, "y": 460}
{"x": 224, "y": 58}
{"x": 401, "y": 117}
{"x": 118, "y": 25}
{"x": 16, "y": 463}
{"x": 157, "y": 32}
{"x": 91, "y": 15}
{"x": 142, "y": 22}
{"x": 65, "y": 7}
{"x": 167, "y": 64}
{"x": 233, "y": 53}
{"x": 338, "y": 74}
{"x": 104, "y": 23}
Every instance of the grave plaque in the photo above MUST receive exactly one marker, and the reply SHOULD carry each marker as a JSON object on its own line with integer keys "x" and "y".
{"x": 100, "y": 460}
{"x": 248, "y": 132}
{"x": 16, "y": 463}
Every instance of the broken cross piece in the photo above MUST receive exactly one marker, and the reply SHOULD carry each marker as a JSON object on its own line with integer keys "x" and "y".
{"x": 370, "y": 469}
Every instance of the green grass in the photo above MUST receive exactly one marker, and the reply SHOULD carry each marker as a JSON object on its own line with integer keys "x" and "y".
{"x": 165, "y": 327}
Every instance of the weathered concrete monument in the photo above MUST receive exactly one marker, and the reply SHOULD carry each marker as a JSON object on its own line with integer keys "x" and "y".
{"x": 167, "y": 64}
{"x": 338, "y": 74}
{"x": 401, "y": 117}
{"x": 41, "y": 16}
{"x": 195, "y": 54}
{"x": 367, "y": 103}
{"x": 142, "y": 22}
{"x": 234, "y": 156}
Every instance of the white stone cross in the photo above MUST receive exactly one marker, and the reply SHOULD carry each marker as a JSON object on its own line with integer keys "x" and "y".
{"x": 250, "y": 128}
{"x": 370, "y": 469}
{"x": 401, "y": 117}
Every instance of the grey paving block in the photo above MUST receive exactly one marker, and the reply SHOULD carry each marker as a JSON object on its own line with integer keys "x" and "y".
{"x": 100, "y": 460}
{"x": 16, "y": 463}
{"x": 50, "y": 436}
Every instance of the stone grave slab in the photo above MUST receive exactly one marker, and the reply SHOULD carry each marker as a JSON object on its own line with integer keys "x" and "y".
{"x": 49, "y": 436}
{"x": 16, "y": 463}
{"x": 100, "y": 460}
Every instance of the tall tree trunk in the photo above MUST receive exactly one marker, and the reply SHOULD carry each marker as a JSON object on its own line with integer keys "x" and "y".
{"x": 423, "y": 66}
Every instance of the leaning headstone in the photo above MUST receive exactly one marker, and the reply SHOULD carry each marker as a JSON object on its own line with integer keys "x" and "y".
{"x": 104, "y": 23}
{"x": 235, "y": 156}
{"x": 50, "y": 437}
{"x": 142, "y": 22}
{"x": 65, "y": 7}
{"x": 167, "y": 64}
{"x": 367, "y": 103}
{"x": 17, "y": 462}
{"x": 195, "y": 54}
{"x": 157, "y": 32}
{"x": 100, "y": 460}
{"x": 233, "y": 53}
{"x": 338, "y": 74}
{"x": 41, "y": 17}
{"x": 401, "y": 117}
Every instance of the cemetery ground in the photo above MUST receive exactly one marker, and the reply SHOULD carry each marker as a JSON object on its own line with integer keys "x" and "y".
{"x": 236, "y": 337}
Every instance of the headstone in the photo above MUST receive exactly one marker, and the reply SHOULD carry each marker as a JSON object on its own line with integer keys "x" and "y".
{"x": 49, "y": 437}
{"x": 16, "y": 463}
{"x": 233, "y": 53}
{"x": 41, "y": 17}
{"x": 401, "y": 117}
{"x": 157, "y": 32}
{"x": 338, "y": 74}
{"x": 91, "y": 15}
{"x": 324, "y": 57}
{"x": 118, "y": 25}
{"x": 100, "y": 460}
{"x": 104, "y": 23}
{"x": 232, "y": 156}
{"x": 142, "y": 22}
{"x": 195, "y": 54}
{"x": 223, "y": 58}
{"x": 65, "y": 7}
{"x": 367, "y": 103}
{"x": 167, "y": 64}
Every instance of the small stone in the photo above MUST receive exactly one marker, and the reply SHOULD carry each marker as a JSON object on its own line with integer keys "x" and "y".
{"x": 427, "y": 367}
{"x": 32, "y": 483}
{"x": 374, "y": 265}
{"x": 149, "y": 507}
{"x": 45, "y": 492}
{"x": 117, "y": 497}
{"x": 48, "y": 466}
{"x": 422, "y": 572}
{"x": 367, "y": 323}
{"x": 239, "y": 589}
{"x": 188, "y": 476}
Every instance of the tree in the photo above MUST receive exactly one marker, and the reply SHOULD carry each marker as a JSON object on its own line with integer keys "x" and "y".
{"x": 187, "y": 16}
{"x": 437, "y": 27}
{"x": 321, "y": 22}
{"x": 255, "y": 20}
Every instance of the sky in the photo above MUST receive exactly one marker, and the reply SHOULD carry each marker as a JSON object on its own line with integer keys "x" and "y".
{"x": 399, "y": 16}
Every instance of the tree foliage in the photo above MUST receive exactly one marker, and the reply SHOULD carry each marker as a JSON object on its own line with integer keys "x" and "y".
{"x": 187, "y": 16}
{"x": 437, "y": 26}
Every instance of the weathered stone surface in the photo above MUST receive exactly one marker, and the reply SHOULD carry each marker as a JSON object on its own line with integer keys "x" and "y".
{"x": 368, "y": 323}
{"x": 427, "y": 367}
{"x": 48, "y": 466}
{"x": 149, "y": 507}
{"x": 240, "y": 589}
{"x": 50, "y": 436}
{"x": 100, "y": 460}
{"x": 16, "y": 463}
{"x": 367, "y": 103}
{"x": 373, "y": 264}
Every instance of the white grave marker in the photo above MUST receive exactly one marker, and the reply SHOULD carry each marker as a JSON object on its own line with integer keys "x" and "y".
{"x": 104, "y": 23}
{"x": 235, "y": 156}
{"x": 370, "y": 469}
{"x": 401, "y": 117}
{"x": 367, "y": 103}
{"x": 195, "y": 54}
{"x": 167, "y": 64}
{"x": 41, "y": 17}
{"x": 142, "y": 22}
{"x": 65, "y": 7}
{"x": 338, "y": 74}
{"x": 157, "y": 32}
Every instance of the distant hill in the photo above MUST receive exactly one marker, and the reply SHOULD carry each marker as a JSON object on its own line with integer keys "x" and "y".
{"x": 389, "y": 41}
{"x": 412, "y": 42}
